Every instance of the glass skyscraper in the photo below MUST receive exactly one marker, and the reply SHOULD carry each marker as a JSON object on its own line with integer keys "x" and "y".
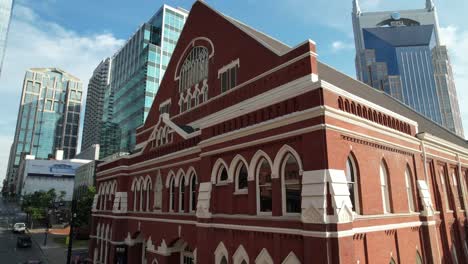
{"x": 48, "y": 117}
{"x": 400, "y": 53}
{"x": 6, "y": 7}
{"x": 137, "y": 70}
{"x": 98, "y": 83}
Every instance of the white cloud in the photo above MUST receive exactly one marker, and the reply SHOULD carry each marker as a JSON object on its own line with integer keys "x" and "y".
{"x": 34, "y": 42}
{"x": 457, "y": 43}
{"x": 338, "y": 46}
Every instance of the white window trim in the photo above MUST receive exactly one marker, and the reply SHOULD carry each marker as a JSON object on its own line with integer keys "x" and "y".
{"x": 384, "y": 188}
{"x": 357, "y": 205}
{"x": 236, "y": 178}
{"x": 283, "y": 183}
{"x": 221, "y": 252}
{"x": 193, "y": 175}
{"x": 227, "y": 67}
{"x": 409, "y": 189}
{"x": 257, "y": 187}
{"x": 220, "y": 182}
{"x": 171, "y": 195}
{"x": 181, "y": 201}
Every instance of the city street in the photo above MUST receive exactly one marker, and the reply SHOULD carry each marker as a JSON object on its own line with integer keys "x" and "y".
{"x": 52, "y": 253}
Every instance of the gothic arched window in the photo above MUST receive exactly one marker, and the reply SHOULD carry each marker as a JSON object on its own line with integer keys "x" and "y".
{"x": 194, "y": 69}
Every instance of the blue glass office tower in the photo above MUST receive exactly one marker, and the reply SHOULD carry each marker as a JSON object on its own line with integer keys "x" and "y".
{"x": 48, "y": 116}
{"x": 399, "y": 52}
{"x": 6, "y": 7}
{"x": 137, "y": 70}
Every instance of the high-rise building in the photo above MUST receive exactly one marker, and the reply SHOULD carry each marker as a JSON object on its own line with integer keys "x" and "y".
{"x": 48, "y": 117}
{"x": 400, "y": 53}
{"x": 6, "y": 7}
{"x": 97, "y": 86}
{"x": 137, "y": 70}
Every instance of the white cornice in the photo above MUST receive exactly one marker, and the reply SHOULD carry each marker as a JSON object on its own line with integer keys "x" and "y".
{"x": 427, "y": 137}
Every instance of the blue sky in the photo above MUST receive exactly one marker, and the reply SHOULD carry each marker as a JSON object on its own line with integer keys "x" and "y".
{"x": 76, "y": 35}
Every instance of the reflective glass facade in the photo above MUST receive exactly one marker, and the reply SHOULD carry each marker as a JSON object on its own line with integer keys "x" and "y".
{"x": 6, "y": 7}
{"x": 48, "y": 117}
{"x": 137, "y": 70}
{"x": 400, "y": 53}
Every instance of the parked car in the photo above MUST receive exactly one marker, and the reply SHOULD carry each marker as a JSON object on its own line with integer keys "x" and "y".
{"x": 24, "y": 242}
{"x": 19, "y": 228}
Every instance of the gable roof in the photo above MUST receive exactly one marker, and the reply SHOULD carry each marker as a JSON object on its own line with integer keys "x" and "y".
{"x": 273, "y": 44}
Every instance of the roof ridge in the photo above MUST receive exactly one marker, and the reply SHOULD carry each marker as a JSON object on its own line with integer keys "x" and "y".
{"x": 282, "y": 47}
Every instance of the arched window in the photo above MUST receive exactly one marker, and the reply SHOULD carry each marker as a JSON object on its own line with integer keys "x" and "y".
{"x": 409, "y": 189}
{"x": 351, "y": 178}
{"x": 392, "y": 261}
{"x": 264, "y": 187}
{"x": 384, "y": 187}
{"x": 194, "y": 69}
{"x": 222, "y": 174}
{"x": 242, "y": 175}
{"x": 158, "y": 193}
{"x": 193, "y": 192}
{"x": 182, "y": 194}
{"x": 223, "y": 260}
{"x": 172, "y": 190}
{"x": 292, "y": 185}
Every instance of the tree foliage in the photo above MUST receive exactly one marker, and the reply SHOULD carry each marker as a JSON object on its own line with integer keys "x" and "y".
{"x": 83, "y": 208}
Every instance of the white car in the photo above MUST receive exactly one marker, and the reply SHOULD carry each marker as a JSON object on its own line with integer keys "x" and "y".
{"x": 19, "y": 228}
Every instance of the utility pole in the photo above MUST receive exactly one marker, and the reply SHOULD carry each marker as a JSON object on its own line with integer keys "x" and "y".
{"x": 70, "y": 236}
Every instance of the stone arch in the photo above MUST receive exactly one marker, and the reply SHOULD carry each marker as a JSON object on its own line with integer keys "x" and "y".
{"x": 215, "y": 171}
{"x": 240, "y": 255}
{"x": 282, "y": 153}
{"x": 180, "y": 173}
{"x": 264, "y": 257}
{"x": 254, "y": 162}
{"x": 291, "y": 259}
{"x": 168, "y": 178}
{"x": 220, "y": 252}
{"x": 238, "y": 159}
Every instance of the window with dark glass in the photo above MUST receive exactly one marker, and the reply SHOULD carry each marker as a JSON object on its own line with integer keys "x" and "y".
{"x": 264, "y": 186}
{"x": 193, "y": 193}
{"x": 292, "y": 185}
{"x": 172, "y": 195}
{"x": 351, "y": 175}
{"x": 182, "y": 195}
{"x": 229, "y": 79}
{"x": 242, "y": 176}
{"x": 223, "y": 176}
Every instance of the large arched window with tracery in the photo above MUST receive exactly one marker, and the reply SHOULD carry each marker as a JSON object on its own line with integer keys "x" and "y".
{"x": 264, "y": 187}
{"x": 292, "y": 185}
{"x": 194, "y": 69}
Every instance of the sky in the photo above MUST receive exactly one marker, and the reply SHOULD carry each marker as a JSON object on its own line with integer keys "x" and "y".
{"x": 77, "y": 35}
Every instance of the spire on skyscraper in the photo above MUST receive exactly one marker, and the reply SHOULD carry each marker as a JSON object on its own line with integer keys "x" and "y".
{"x": 430, "y": 5}
{"x": 356, "y": 8}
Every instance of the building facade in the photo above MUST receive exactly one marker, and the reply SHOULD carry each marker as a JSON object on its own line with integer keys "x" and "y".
{"x": 255, "y": 152}
{"x": 6, "y": 10}
{"x": 137, "y": 69}
{"x": 399, "y": 52}
{"x": 43, "y": 175}
{"x": 85, "y": 175}
{"x": 98, "y": 83}
{"x": 48, "y": 116}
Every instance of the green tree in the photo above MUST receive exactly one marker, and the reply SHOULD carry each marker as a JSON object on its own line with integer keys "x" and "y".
{"x": 83, "y": 208}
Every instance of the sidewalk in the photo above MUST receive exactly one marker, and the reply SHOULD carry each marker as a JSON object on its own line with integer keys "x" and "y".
{"x": 65, "y": 231}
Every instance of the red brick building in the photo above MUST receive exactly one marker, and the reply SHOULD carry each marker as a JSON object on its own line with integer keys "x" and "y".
{"x": 255, "y": 152}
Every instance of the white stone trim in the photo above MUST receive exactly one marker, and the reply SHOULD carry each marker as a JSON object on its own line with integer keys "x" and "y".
{"x": 192, "y": 45}
{"x": 233, "y": 170}
{"x": 264, "y": 257}
{"x": 291, "y": 259}
{"x": 227, "y": 67}
{"x": 221, "y": 252}
{"x": 204, "y": 200}
{"x": 240, "y": 255}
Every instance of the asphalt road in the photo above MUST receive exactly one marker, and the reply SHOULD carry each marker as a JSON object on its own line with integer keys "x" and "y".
{"x": 9, "y": 254}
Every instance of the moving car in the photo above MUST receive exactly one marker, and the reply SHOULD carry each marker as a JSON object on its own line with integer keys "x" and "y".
{"x": 24, "y": 242}
{"x": 19, "y": 228}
